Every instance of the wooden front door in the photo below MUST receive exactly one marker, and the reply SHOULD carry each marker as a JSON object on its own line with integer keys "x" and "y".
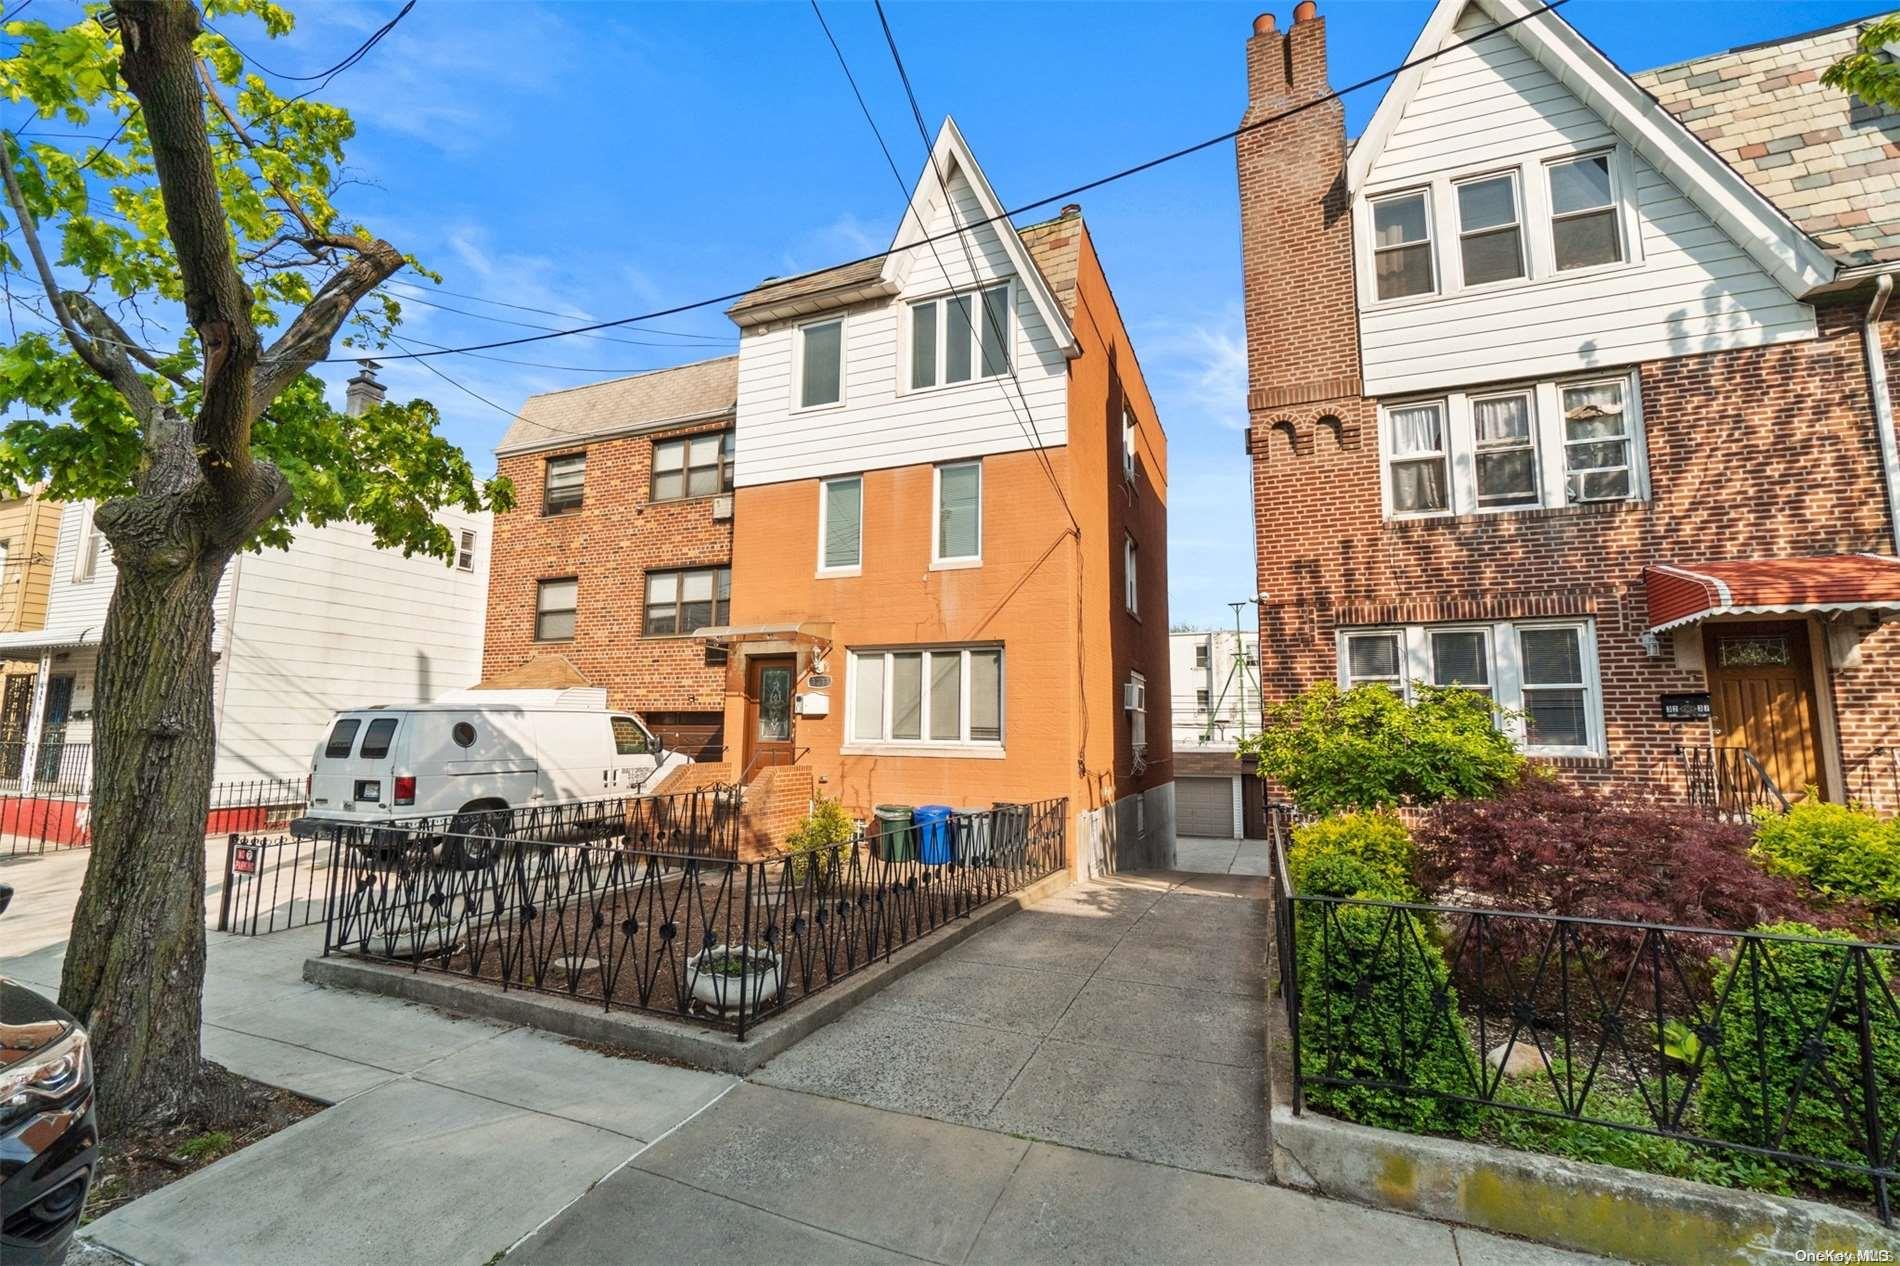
{"x": 1761, "y": 686}
{"x": 769, "y": 683}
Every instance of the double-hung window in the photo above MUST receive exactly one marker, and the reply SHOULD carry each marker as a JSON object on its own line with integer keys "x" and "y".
{"x": 821, "y": 363}
{"x": 841, "y": 524}
{"x": 1131, "y": 575}
{"x": 959, "y": 514}
{"x": 563, "y": 483}
{"x": 1556, "y": 689}
{"x": 85, "y": 546}
{"x": 1137, "y": 707}
{"x": 465, "y": 550}
{"x": 1402, "y": 245}
{"x": 944, "y": 696}
{"x": 555, "y": 603}
{"x": 1420, "y": 466}
{"x": 685, "y": 601}
{"x": 1583, "y": 212}
{"x": 960, "y": 337}
{"x": 1200, "y": 699}
{"x": 1375, "y": 656}
{"x": 1200, "y": 654}
{"x": 694, "y": 466}
{"x": 1490, "y": 238}
{"x": 1129, "y": 433}
{"x": 1505, "y": 442}
{"x": 1597, "y": 441}
{"x": 1461, "y": 657}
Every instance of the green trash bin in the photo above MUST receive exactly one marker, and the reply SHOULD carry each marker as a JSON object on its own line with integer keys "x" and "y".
{"x": 896, "y": 837}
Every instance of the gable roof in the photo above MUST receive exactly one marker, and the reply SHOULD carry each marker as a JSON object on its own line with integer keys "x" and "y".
{"x": 1826, "y": 158}
{"x": 1756, "y": 224}
{"x": 701, "y": 391}
{"x": 849, "y": 283}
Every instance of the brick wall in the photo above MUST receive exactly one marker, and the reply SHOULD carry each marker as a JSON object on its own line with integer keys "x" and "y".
{"x": 609, "y": 544}
{"x": 776, "y": 800}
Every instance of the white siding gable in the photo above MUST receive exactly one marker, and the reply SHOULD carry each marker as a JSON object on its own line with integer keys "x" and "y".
{"x": 878, "y": 424}
{"x": 1686, "y": 286}
{"x": 79, "y": 606}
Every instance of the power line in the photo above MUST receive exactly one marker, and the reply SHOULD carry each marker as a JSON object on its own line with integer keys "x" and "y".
{"x": 523, "y": 307}
{"x": 530, "y": 325}
{"x": 1008, "y": 214}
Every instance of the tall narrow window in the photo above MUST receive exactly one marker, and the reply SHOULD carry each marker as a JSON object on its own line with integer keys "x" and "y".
{"x": 840, "y": 525}
{"x": 1419, "y": 467}
{"x": 993, "y": 338}
{"x": 1137, "y": 702}
{"x": 1583, "y": 228}
{"x": 959, "y": 512}
{"x": 85, "y": 546}
{"x": 1128, "y": 442}
{"x": 960, "y": 337}
{"x": 1461, "y": 657}
{"x": 1506, "y": 450}
{"x": 1490, "y": 241}
{"x": 1597, "y": 441}
{"x": 1556, "y": 694}
{"x": 821, "y": 364}
{"x": 923, "y": 345}
{"x": 907, "y": 696}
{"x": 465, "y": 550}
{"x": 1131, "y": 575}
{"x": 958, "y": 327}
{"x": 694, "y": 466}
{"x": 986, "y": 696}
{"x": 1402, "y": 246}
{"x": 563, "y": 483}
{"x": 1376, "y": 657}
{"x": 554, "y": 607}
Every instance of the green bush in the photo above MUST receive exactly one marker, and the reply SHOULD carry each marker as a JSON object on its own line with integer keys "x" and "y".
{"x": 818, "y": 833}
{"x": 1777, "y": 1001}
{"x": 1351, "y": 853}
{"x": 1841, "y": 851}
{"x": 1367, "y": 748}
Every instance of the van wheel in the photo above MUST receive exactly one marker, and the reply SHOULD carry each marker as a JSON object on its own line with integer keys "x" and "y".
{"x": 476, "y": 835}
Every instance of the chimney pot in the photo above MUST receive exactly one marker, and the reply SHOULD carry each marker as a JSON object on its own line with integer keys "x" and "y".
{"x": 1072, "y": 210}
{"x": 1263, "y": 25}
{"x": 1304, "y": 11}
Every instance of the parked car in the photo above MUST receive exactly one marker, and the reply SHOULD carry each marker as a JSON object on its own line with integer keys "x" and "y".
{"x": 471, "y": 756}
{"x": 49, "y": 1135}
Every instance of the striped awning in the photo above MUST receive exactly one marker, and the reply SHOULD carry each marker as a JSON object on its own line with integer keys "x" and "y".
{"x": 1679, "y": 595}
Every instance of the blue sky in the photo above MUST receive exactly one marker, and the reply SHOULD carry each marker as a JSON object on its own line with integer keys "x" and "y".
{"x": 602, "y": 160}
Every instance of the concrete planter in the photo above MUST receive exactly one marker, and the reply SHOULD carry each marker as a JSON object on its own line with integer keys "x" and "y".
{"x": 722, "y": 993}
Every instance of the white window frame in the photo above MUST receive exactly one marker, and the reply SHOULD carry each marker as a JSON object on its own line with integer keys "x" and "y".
{"x": 1513, "y": 175}
{"x": 798, "y": 363}
{"x": 1619, "y": 207}
{"x": 1130, "y": 432}
{"x": 85, "y": 546}
{"x": 941, "y": 301}
{"x": 940, "y": 561}
{"x": 1507, "y": 677}
{"x": 1472, "y": 399}
{"x": 465, "y": 543}
{"x": 924, "y": 745}
{"x": 1131, "y": 575}
{"x": 1432, "y": 236}
{"x": 1484, "y": 631}
{"x": 1548, "y": 444}
{"x": 824, "y": 502}
{"x": 1138, "y": 712}
{"x": 1389, "y": 455}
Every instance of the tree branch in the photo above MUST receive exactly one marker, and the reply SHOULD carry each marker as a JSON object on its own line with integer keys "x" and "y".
{"x": 307, "y": 340}
{"x": 290, "y": 204}
{"x": 105, "y": 330}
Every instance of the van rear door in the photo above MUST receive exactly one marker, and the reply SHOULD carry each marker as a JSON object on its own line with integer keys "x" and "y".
{"x": 353, "y": 772}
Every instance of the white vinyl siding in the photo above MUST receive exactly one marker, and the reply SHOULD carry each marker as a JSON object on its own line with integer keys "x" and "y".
{"x": 1682, "y": 285}
{"x": 1543, "y": 673}
{"x": 1545, "y": 444}
{"x": 931, "y": 700}
{"x": 881, "y": 422}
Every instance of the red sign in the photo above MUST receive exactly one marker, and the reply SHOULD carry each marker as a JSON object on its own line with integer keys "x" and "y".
{"x": 244, "y": 859}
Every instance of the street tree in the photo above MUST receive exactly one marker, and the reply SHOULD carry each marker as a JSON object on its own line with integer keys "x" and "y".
{"x": 1870, "y": 72}
{"x": 163, "y": 182}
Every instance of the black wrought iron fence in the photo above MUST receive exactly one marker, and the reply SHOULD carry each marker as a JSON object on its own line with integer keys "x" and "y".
{"x": 272, "y": 883}
{"x": 1780, "y": 1046}
{"x": 55, "y": 768}
{"x": 703, "y": 936}
{"x": 1729, "y": 783}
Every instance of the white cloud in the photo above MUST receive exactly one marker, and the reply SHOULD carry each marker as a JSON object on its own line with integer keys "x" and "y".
{"x": 1202, "y": 367}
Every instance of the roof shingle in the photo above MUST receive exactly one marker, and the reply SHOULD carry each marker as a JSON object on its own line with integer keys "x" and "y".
{"x": 682, "y": 393}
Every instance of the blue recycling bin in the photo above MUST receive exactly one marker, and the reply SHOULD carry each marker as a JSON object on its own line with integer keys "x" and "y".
{"x": 933, "y": 834}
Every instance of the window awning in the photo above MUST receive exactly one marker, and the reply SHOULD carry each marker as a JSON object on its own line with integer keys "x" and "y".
{"x": 1679, "y": 596}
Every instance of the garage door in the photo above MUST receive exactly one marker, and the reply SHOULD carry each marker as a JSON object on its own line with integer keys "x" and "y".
{"x": 1204, "y": 806}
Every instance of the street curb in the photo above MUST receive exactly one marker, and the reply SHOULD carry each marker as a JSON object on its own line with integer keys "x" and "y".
{"x": 656, "y": 1034}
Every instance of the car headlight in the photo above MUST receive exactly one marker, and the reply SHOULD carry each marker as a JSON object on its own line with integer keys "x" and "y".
{"x": 48, "y": 1074}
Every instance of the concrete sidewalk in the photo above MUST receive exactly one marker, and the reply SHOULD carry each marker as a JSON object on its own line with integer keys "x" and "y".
{"x": 1207, "y": 855}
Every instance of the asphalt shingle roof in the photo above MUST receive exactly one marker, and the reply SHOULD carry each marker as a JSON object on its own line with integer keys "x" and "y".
{"x": 1828, "y": 160}
{"x": 682, "y": 393}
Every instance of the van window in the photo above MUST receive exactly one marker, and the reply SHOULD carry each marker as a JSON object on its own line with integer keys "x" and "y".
{"x": 629, "y": 738}
{"x": 376, "y": 738}
{"x": 342, "y": 737}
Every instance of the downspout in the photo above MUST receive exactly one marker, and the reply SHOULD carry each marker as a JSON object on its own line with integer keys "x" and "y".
{"x": 1883, "y": 402}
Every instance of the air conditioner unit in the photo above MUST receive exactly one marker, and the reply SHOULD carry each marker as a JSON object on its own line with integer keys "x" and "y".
{"x": 1135, "y": 696}
{"x": 722, "y": 507}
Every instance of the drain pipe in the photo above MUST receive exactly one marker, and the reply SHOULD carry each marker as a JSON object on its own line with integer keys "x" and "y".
{"x": 1883, "y": 402}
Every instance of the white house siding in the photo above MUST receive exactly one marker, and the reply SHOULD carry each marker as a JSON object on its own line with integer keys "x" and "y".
{"x": 336, "y": 623}
{"x": 1689, "y": 288}
{"x": 877, "y": 425}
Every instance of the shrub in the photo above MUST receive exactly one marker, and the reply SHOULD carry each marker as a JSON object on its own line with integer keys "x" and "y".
{"x": 1351, "y": 853}
{"x": 1367, "y": 748}
{"x": 1840, "y": 851}
{"x": 1780, "y": 1000}
{"x": 819, "y": 832}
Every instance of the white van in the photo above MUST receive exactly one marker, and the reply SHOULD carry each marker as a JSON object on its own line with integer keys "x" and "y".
{"x": 473, "y": 752}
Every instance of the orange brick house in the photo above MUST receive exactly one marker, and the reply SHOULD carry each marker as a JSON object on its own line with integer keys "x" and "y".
{"x": 949, "y": 555}
{"x": 621, "y": 544}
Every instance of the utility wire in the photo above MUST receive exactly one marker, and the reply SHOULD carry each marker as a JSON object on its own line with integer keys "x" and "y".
{"x": 530, "y": 325}
{"x": 1063, "y": 196}
{"x": 522, "y": 307}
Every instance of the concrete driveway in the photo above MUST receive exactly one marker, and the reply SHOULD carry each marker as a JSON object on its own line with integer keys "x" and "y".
{"x": 1212, "y": 856}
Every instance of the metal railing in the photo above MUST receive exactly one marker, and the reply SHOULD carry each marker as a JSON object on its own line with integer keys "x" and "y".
{"x": 1781, "y": 1047}
{"x": 41, "y": 822}
{"x": 1729, "y": 783}
{"x": 702, "y": 936}
{"x": 55, "y": 768}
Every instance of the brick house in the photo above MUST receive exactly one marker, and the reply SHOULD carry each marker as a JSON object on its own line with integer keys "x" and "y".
{"x": 1571, "y": 386}
{"x": 621, "y": 544}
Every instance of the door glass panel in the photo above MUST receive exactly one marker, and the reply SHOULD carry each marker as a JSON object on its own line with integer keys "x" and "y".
{"x": 775, "y": 704}
{"x": 1763, "y": 651}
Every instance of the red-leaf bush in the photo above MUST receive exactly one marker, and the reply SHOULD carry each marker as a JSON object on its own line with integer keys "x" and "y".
{"x": 1545, "y": 847}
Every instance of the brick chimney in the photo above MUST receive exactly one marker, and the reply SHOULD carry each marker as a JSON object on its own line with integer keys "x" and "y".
{"x": 1295, "y": 227}
{"x": 363, "y": 392}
